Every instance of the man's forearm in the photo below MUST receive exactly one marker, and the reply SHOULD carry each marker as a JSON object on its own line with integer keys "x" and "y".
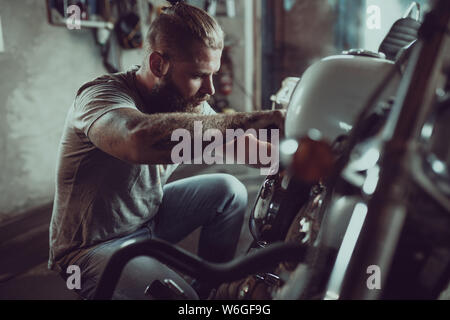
{"x": 155, "y": 131}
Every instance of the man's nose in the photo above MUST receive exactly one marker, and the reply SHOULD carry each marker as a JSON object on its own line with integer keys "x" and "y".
{"x": 208, "y": 86}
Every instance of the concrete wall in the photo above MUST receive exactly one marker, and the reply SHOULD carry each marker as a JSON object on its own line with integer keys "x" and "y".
{"x": 41, "y": 68}
{"x": 237, "y": 31}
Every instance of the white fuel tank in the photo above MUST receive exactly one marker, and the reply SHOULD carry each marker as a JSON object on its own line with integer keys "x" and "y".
{"x": 333, "y": 91}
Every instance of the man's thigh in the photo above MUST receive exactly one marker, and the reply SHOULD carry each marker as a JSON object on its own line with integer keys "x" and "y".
{"x": 193, "y": 202}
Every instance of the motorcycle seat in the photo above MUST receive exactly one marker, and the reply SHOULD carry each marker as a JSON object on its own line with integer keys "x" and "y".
{"x": 403, "y": 32}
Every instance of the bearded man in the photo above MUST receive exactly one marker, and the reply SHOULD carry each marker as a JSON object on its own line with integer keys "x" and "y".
{"x": 115, "y": 158}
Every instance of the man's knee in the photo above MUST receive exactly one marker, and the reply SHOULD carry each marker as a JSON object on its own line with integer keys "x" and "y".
{"x": 233, "y": 190}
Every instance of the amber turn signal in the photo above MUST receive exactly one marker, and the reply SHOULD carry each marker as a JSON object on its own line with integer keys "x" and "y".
{"x": 313, "y": 160}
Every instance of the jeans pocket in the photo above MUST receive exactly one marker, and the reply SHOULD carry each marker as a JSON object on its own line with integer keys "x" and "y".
{"x": 85, "y": 259}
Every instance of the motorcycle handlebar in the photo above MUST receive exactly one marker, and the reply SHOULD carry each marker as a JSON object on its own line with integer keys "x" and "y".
{"x": 193, "y": 266}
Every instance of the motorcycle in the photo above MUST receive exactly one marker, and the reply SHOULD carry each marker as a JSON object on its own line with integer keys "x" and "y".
{"x": 385, "y": 216}
{"x": 361, "y": 209}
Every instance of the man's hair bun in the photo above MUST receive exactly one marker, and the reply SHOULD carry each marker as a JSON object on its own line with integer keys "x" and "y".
{"x": 179, "y": 26}
{"x": 175, "y": 2}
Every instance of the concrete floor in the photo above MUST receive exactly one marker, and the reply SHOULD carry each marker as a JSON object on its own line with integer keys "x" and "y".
{"x": 24, "y": 243}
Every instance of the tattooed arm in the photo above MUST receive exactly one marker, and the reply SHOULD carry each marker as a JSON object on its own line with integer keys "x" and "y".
{"x": 136, "y": 137}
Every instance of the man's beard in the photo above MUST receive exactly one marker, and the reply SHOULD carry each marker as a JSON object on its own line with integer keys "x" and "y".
{"x": 167, "y": 98}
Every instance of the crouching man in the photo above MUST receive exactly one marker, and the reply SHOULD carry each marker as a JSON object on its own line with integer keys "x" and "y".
{"x": 115, "y": 158}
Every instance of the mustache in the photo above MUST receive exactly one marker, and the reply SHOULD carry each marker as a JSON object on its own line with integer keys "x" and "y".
{"x": 204, "y": 98}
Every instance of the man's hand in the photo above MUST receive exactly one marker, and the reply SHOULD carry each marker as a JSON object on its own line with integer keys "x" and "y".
{"x": 251, "y": 153}
{"x": 280, "y": 119}
{"x": 274, "y": 119}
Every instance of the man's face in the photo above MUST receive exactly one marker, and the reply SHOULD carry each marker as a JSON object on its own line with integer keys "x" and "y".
{"x": 189, "y": 82}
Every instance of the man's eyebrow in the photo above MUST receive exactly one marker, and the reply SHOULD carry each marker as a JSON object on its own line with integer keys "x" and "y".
{"x": 201, "y": 73}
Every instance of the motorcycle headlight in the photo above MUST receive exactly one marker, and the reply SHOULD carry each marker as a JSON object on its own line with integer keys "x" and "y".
{"x": 264, "y": 211}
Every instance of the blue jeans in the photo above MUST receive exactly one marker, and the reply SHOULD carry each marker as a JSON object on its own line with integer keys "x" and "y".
{"x": 214, "y": 202}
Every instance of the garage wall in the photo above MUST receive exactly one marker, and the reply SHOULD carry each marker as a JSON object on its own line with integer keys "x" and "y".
{"x": 303, "y": 34}
{"x": 41, "y": 68}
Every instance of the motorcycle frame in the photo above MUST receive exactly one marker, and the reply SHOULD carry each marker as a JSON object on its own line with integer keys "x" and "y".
{"x": 387, "y": 209}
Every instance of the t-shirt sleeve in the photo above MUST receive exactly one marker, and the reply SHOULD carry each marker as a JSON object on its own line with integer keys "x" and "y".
{"x": 97, "y": 100}
{"x": 208, "y": 110}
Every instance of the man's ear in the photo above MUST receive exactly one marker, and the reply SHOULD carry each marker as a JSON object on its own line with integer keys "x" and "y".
{"x": 158, "y": 64}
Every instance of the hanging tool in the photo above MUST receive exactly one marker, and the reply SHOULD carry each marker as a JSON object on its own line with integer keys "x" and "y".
{"x": 230, "y": 8}
{"x": 128, "y": 27}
